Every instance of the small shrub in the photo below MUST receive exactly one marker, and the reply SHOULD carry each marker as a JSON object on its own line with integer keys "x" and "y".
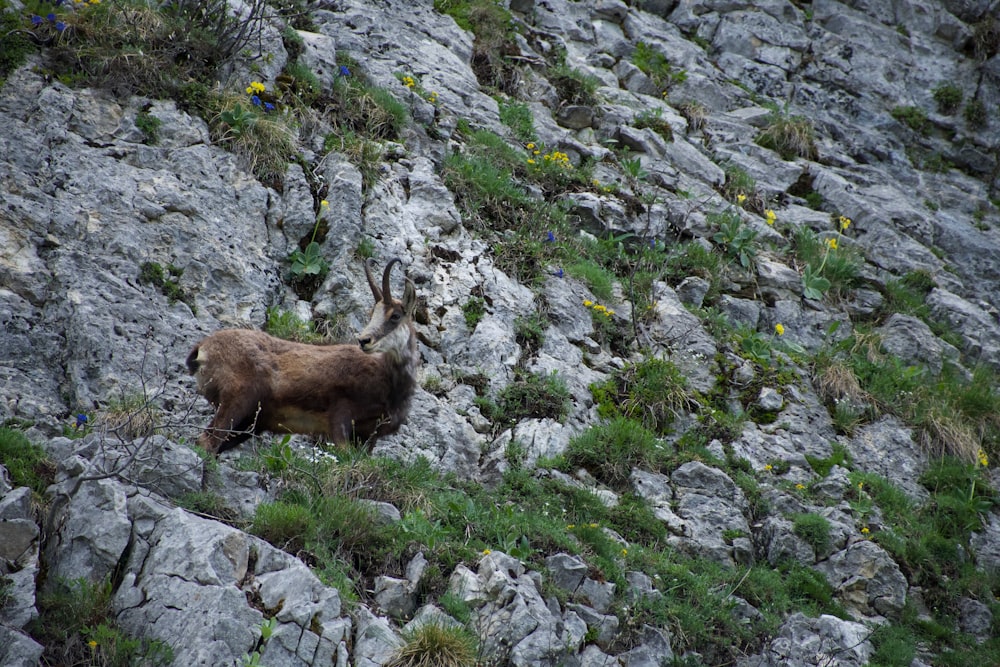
{"x": 913, "y": 117}
{"x": 654, "y": 120}
{"x": 149, "y": 125}
{"x": 948, "y": 97}
{"x": 975, "y": 114}
{"x": 474, "y": 310}
{"x": 529, "y": 331}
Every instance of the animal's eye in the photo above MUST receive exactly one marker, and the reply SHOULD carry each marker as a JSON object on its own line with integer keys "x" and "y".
{"x": 397, "y": 316}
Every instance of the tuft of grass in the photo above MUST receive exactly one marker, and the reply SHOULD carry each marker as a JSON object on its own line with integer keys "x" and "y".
{"x": 790, "y": 136}
{"x": 517, "y": 116}
{"x": 814, "y": 530}
{"x": 287, "y": 325}
{"x": 610, "y": 451}
{"x": 264, "y": 141}
{"x": 598, "y": 280}
{"x": 434, "y": 645}
{"x": 656, "y": 66}
{"x": 26, "y": 462}
{"x": 493, "y": 27}
{"x": 651, "y": 392}
{"x": 574, "y": 86}
{"x": 530, "y": 395}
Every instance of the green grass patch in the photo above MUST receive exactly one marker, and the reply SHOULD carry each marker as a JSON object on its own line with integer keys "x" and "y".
{"x": 651, "y": 392}
{"x": 26, "y": 462}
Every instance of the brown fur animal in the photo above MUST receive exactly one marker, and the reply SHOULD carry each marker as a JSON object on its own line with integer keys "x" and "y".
{"x": 260, "y": 383}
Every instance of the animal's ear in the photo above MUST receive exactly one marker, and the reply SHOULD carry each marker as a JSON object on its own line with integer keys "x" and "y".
{"x": 409, "y": 298}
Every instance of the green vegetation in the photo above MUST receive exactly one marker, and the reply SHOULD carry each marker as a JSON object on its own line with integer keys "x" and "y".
{"x": 813, "y": 529}
{"x": 436, "y": 645}
{"x": 651, "y": 392}
{"x": 913, "y": 117}
{"x": 76, "y": 625}
{"x": 656, "y": 66}
{"x": 149, "y": 125}
{"x": 948, "y": 97}
{"x": 25, "y": 461}
{"x": 529, "y": 395}
{"x": 474, "y": 309}
{"x": 168, "y": 281}
{"x": 790, "y": 136}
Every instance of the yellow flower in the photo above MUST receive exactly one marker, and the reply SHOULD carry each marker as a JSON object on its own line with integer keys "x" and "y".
{"x": 92, "y": 644}
{"x": 530, "y": 161}
{"x": 486, "y": 552}
{"x": 844, "y": 223}
{"x": 324, "y": 203}
{"x": 800, "y": 486}
{"x": 771, "y": 217}
{"x": 570, "y": 526}
{"x": 609, "y": 313}
{"x": 624, "y": 552}
{"x": 983, "y": 459}
{"x": 588, "y": 303}
{"x": 769, "y": 467}
{"x": 593, "y": 525}
{"x": 530, "y": 145}
{"x": 832, "y": 243}
{"x": 865, "y": 530}
{"x": 861, "y": 486}
{"x": 779, "y": 329}
{"x": 255, "y": 87}
{"x": 408, "y": 81}
{"x": 740, "y": 198}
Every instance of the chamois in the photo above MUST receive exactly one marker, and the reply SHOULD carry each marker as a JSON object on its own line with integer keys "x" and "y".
{"x": 260, "y": 383}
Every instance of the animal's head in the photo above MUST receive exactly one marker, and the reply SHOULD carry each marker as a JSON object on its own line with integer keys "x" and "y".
{"x": 391, "y": 323}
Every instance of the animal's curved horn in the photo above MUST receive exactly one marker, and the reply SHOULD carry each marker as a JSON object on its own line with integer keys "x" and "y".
{"x": 385, "y": 278}
{"x": 371, "y": 280}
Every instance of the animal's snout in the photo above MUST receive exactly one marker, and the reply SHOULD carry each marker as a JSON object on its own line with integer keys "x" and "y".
{"x": 364, "y": 341}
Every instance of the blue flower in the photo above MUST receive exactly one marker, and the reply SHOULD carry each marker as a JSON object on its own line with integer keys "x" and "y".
{"x": 550, "y": 238}
{"x": 36, "y": 19}
{"x": 255, "y": 100}
{"x": 51, "y": 17}
{"x": 60, "y": 26}
{"x": 81, "y": 420}
{"x": 558, "y": 273}
{"x": 268, "y": 106}
{"x": 344, "y": 71}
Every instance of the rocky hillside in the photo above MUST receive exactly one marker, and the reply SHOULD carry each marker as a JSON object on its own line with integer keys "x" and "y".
{"x": 707, "y": 326}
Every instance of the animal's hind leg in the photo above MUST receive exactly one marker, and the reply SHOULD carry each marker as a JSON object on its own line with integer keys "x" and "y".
{"x": 233, "y": 423}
